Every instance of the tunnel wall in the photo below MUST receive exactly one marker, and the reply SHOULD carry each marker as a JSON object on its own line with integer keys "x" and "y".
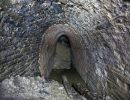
{"x": 22, "y": 23}
{"x": 81, "y": 59}
{"x": 104, "y": 26}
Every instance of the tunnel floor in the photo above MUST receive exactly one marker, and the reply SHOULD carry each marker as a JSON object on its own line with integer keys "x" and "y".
{"x": 74, "y": 79}
{"x": 71, "y": 74}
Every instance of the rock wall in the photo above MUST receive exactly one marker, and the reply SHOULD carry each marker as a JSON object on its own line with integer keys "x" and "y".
{"x": 104, "y": 26}
{"x": 32, "y": 88}
{"x": 22, "y": 23}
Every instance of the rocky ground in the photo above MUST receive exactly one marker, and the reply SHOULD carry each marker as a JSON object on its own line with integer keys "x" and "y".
{"x": 31, "y": 88}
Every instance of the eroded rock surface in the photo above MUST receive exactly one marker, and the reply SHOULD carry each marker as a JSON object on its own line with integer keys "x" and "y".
{"x": 103, "y": 25}
{"x": 31, "y": 88}
{"x": 22, "y": 23}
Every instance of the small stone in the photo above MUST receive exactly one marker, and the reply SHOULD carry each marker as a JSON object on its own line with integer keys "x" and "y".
{"x": 61, "y": 88}
{"x": 63, "y": 1}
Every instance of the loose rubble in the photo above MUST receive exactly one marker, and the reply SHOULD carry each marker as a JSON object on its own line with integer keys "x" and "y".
{"x": 32, "y": 88}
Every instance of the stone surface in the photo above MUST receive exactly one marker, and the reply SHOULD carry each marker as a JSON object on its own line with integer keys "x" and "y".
{"x": 63, "y": 1}
{"x": 31, "y": 88}
{"x": 103, "y": 25}
{"x": 22, "y": 22}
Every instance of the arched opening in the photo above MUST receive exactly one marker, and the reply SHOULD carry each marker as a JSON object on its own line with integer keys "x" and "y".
{"x": 63, "y": 64}
{"x": 54, "y": 38}
{"x": 62, "y": 45}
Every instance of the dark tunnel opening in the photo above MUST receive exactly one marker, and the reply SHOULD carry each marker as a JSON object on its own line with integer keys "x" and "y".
{"x": 63, "y": 63}
{"x": 63, "y": 66}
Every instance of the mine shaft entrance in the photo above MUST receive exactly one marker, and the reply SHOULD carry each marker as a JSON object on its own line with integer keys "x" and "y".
{"x": 63, "y": 63}
{"x": 62, "y": 53}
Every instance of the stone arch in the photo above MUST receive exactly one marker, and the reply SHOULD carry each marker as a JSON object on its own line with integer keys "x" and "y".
{"x": 48, "y": 46}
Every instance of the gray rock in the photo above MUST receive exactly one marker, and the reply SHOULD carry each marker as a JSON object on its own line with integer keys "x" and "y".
{"x": 22, "y": 24}
{"x": 28, "y": 88}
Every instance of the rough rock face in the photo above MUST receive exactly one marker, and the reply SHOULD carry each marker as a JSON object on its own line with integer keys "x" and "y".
{"x": 105, "y": 27}
{"x": 22, "y": 22}
{"x": 31, "y": 88}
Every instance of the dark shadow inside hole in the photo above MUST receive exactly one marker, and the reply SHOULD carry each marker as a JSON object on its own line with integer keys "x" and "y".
{"x": 64, "y": 41}
{"x": 63, "y": 57}
{"x": 128, "y": 85}
{"x": 71, "y": 74}
{"x": 68, "y": 69}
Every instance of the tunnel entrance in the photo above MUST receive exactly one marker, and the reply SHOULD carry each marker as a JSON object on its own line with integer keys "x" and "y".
{"x": 63, "y": 66}
{"x": 63, "y": 54}
{"x": 62, "y": 49}
{"x": 63, "y": 63}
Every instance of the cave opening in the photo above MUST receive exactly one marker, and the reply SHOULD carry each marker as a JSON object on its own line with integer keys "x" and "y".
{"x": 63, "y": 58}
{"x": 63, "y": 63}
